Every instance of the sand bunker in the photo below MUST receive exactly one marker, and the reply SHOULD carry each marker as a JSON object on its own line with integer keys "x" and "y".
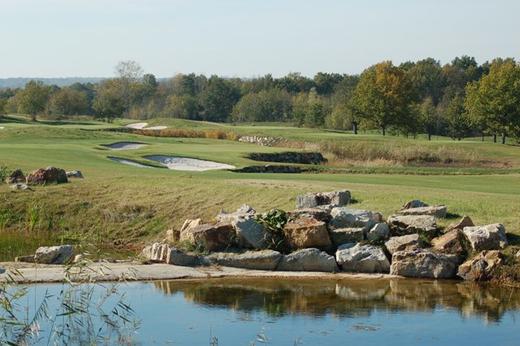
{"x": 187, "y": 164}
{"x": 128, "y": 162}
{"x": 137, "y": 126}
{"x": 156, "y": 128}
{"x": 125, "y": 145}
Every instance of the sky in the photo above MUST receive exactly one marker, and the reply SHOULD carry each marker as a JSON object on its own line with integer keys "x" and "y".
{"x": 247, "y": 38}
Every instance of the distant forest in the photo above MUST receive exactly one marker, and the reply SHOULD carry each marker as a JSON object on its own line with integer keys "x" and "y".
{"x": 458, "y": 99}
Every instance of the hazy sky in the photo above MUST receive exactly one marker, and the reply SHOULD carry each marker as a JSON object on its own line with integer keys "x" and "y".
{"x": 55, "y": 38}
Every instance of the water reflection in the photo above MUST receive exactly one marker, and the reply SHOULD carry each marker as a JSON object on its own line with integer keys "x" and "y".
{"x": 353, "y": 298}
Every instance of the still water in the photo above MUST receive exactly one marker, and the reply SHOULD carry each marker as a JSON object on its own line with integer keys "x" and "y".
{"x": 296, "y": 312}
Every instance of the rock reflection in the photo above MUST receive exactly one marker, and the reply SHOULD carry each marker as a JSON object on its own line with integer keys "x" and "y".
{"x": 353, "y": 298}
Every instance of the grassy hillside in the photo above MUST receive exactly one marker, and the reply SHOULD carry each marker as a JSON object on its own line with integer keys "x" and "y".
{"x": 118, "y": 206}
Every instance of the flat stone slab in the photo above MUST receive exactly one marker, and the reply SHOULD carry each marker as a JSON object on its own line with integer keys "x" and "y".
{"x": 438, "y": 211}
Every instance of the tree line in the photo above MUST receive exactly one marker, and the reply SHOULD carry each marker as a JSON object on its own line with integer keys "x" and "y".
{"x": 458, "y": 99}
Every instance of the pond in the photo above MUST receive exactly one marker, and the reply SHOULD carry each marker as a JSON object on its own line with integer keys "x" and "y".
{"x": 296, "y": 312}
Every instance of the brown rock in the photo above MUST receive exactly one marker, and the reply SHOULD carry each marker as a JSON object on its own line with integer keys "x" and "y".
{"x": 404, "y": 242}
{"x": 481, "y": 267}
{"x": 451, "y": 242}
{"x": 49, "y": 175}
{"x": 316, "y": 213}
{"x": 211, "y": 237}
{"x": 464, "y": 222}
{"x": 307, "y": 232}
{"x": 16, "y": 176}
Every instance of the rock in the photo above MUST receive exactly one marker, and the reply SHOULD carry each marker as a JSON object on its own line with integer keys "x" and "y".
{"x": 414, "y": 204}
{"x": 250, "y": 233}
{"x": 74, "y": 174}
{"x": 347, "y": 235}
{"x": 518, "y": 254}
{"x": 15, "y": 177}
{"x": 242, "y": 212}
{"x": 259, "y": 260}
{"x": 157, "y": 252}
{"x": 19, "y": 186}
{"x": 211, "y": 237}
{"x": 306, "y": 232}
{"x": 312, "y": 200}
{"x": 421, "y": 263}
{"x": 170, "y": 236}
{"x": 2, "y": 270}
{"x": 489, "y": 237}
{"x": 180, "y": 258}
{"x": 464, "y": 222}
{"x": 481, "y": 267}
{"x": 451, "y": 242}
{"x": 438, "y": 211}
{"x": 404, "y": 242}
{"x": 53, "y": 254}
{"x": 343, "y": 217}
{"x": 49, "y": 175}
{"x": 408, "y": 224}
{"x": 188, "y": 225}
{"x": 362, "y": 259}
{"x": 25, "y": 259}
{"x": 380, "y": 231}
{"x": 78, "y": 258}
{"x": 308, "y": 260}
{"x": 321, "y": 214}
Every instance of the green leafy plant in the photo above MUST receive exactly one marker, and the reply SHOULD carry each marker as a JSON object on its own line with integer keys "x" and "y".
{"x": 274, "y": 221}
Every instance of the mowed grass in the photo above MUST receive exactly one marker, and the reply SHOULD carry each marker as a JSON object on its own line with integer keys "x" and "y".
{"x": 118, "y": 207}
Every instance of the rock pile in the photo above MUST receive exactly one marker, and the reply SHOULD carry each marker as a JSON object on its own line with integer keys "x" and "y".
{"x": 325, "y": 234}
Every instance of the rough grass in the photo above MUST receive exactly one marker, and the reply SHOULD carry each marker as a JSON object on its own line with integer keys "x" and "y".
{"x": 119, "y": 207}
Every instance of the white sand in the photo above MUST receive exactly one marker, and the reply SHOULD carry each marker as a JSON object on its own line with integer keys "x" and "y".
{"x": 187, "y": 164}
{"x": 125, "y": 145}
{"x": 156, "y": 128}
{"x": 1, "y": 127}
{"x": 129, "y": 162}
{"x": 137, "y": 126}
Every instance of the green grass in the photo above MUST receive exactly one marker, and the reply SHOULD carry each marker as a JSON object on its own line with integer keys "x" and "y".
{"x": 118, "y": 207}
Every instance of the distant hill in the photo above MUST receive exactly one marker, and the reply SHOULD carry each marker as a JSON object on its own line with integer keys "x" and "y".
{"x": 20, "y": 82}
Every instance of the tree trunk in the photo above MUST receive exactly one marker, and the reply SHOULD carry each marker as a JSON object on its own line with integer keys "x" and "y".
{"x": 429, "y": 136}
{"x": 482, "y": 137}
{"x": 354, "y": 127}
{"x": 384, "y": 130}
{"x": 503, "y": 138}
{"x": 494, "y": 138}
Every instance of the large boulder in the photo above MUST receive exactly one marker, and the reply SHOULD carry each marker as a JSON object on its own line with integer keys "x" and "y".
{"x": 343, "y": 217}
{"x": 157, "y": 252}
{"x": 341, "y": 236}
{"x": 404, "y": 242}
{"x": 312, "y": 200}
{"x": 211, "y": 237}
{"x": 189, "y": 224}
{"x": 415, "y": 203}
{"x": 481, "y": 267}
{"x": 489, "y": 237}
{"x": 259, "y": 260}
{"x": 74, "y": 174}
{"x": 380, "y": 231}
{"x": 306, "y": 232}
{"x": 49, "y": 175}
{"x": 451, "y": 242}
{"x": 244, "y": 211}
{"x": 362, "y": 259}
{"x": 438, "y": 211}
{"x": 421, "y": 263}
{"x": 177, "y": 257}
{"x": 464, "y": 222}
{"x": 308, "y": 260}
{"x": 15, "y": 177}
{"x": 250, "y": 233}
{"x": 408, "y": 224}
{"x": 321, "y": 214}
{"x": 53, "y": 254}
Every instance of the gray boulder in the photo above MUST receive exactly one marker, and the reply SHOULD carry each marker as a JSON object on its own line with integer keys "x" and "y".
{"x": 321, "y": 214}
{"x": 438, "y": 211}
{"x": 308, "y": 260}
{"x": 489, "y": 237}
{"x": 362, "y": 259}
{"x": 421, "y": 263}
{"x": 404, "y": 242}
{"x": 19, "y": 186}
{"x": 259, "y": 260}
{"x": 53, "y": 254}
{"x": 380, "y": 231}
{"x": 2, "y": 270}
{"x": 15, "y": 177}
{"x": 250, "y": 233}
{"x": 347, "y": 235}
{"x": 415, "y": 203}
{"x": 343, "y": 217}
{"x": 243, "y": 211}
{"x": 177, "y": 257}
{"x": 312, "y": 200}
{"x": 408, "y": 224}
{"x": 74, "y": 174}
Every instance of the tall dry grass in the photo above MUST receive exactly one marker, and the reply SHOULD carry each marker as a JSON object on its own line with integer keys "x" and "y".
{"x": 187, "y": 133}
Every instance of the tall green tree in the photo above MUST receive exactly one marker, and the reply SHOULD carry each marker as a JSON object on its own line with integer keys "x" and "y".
{"x": 266, "y": 105}
{"x": 109, "y": 101}
{"x": 218, "y": 99}
{"x": 33, "y": 98}
{"x": 68, "y": 101}
{"x": 494, "y": 100}
{"x": 383, "y": 96}
{"x": 456, "y": 118}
